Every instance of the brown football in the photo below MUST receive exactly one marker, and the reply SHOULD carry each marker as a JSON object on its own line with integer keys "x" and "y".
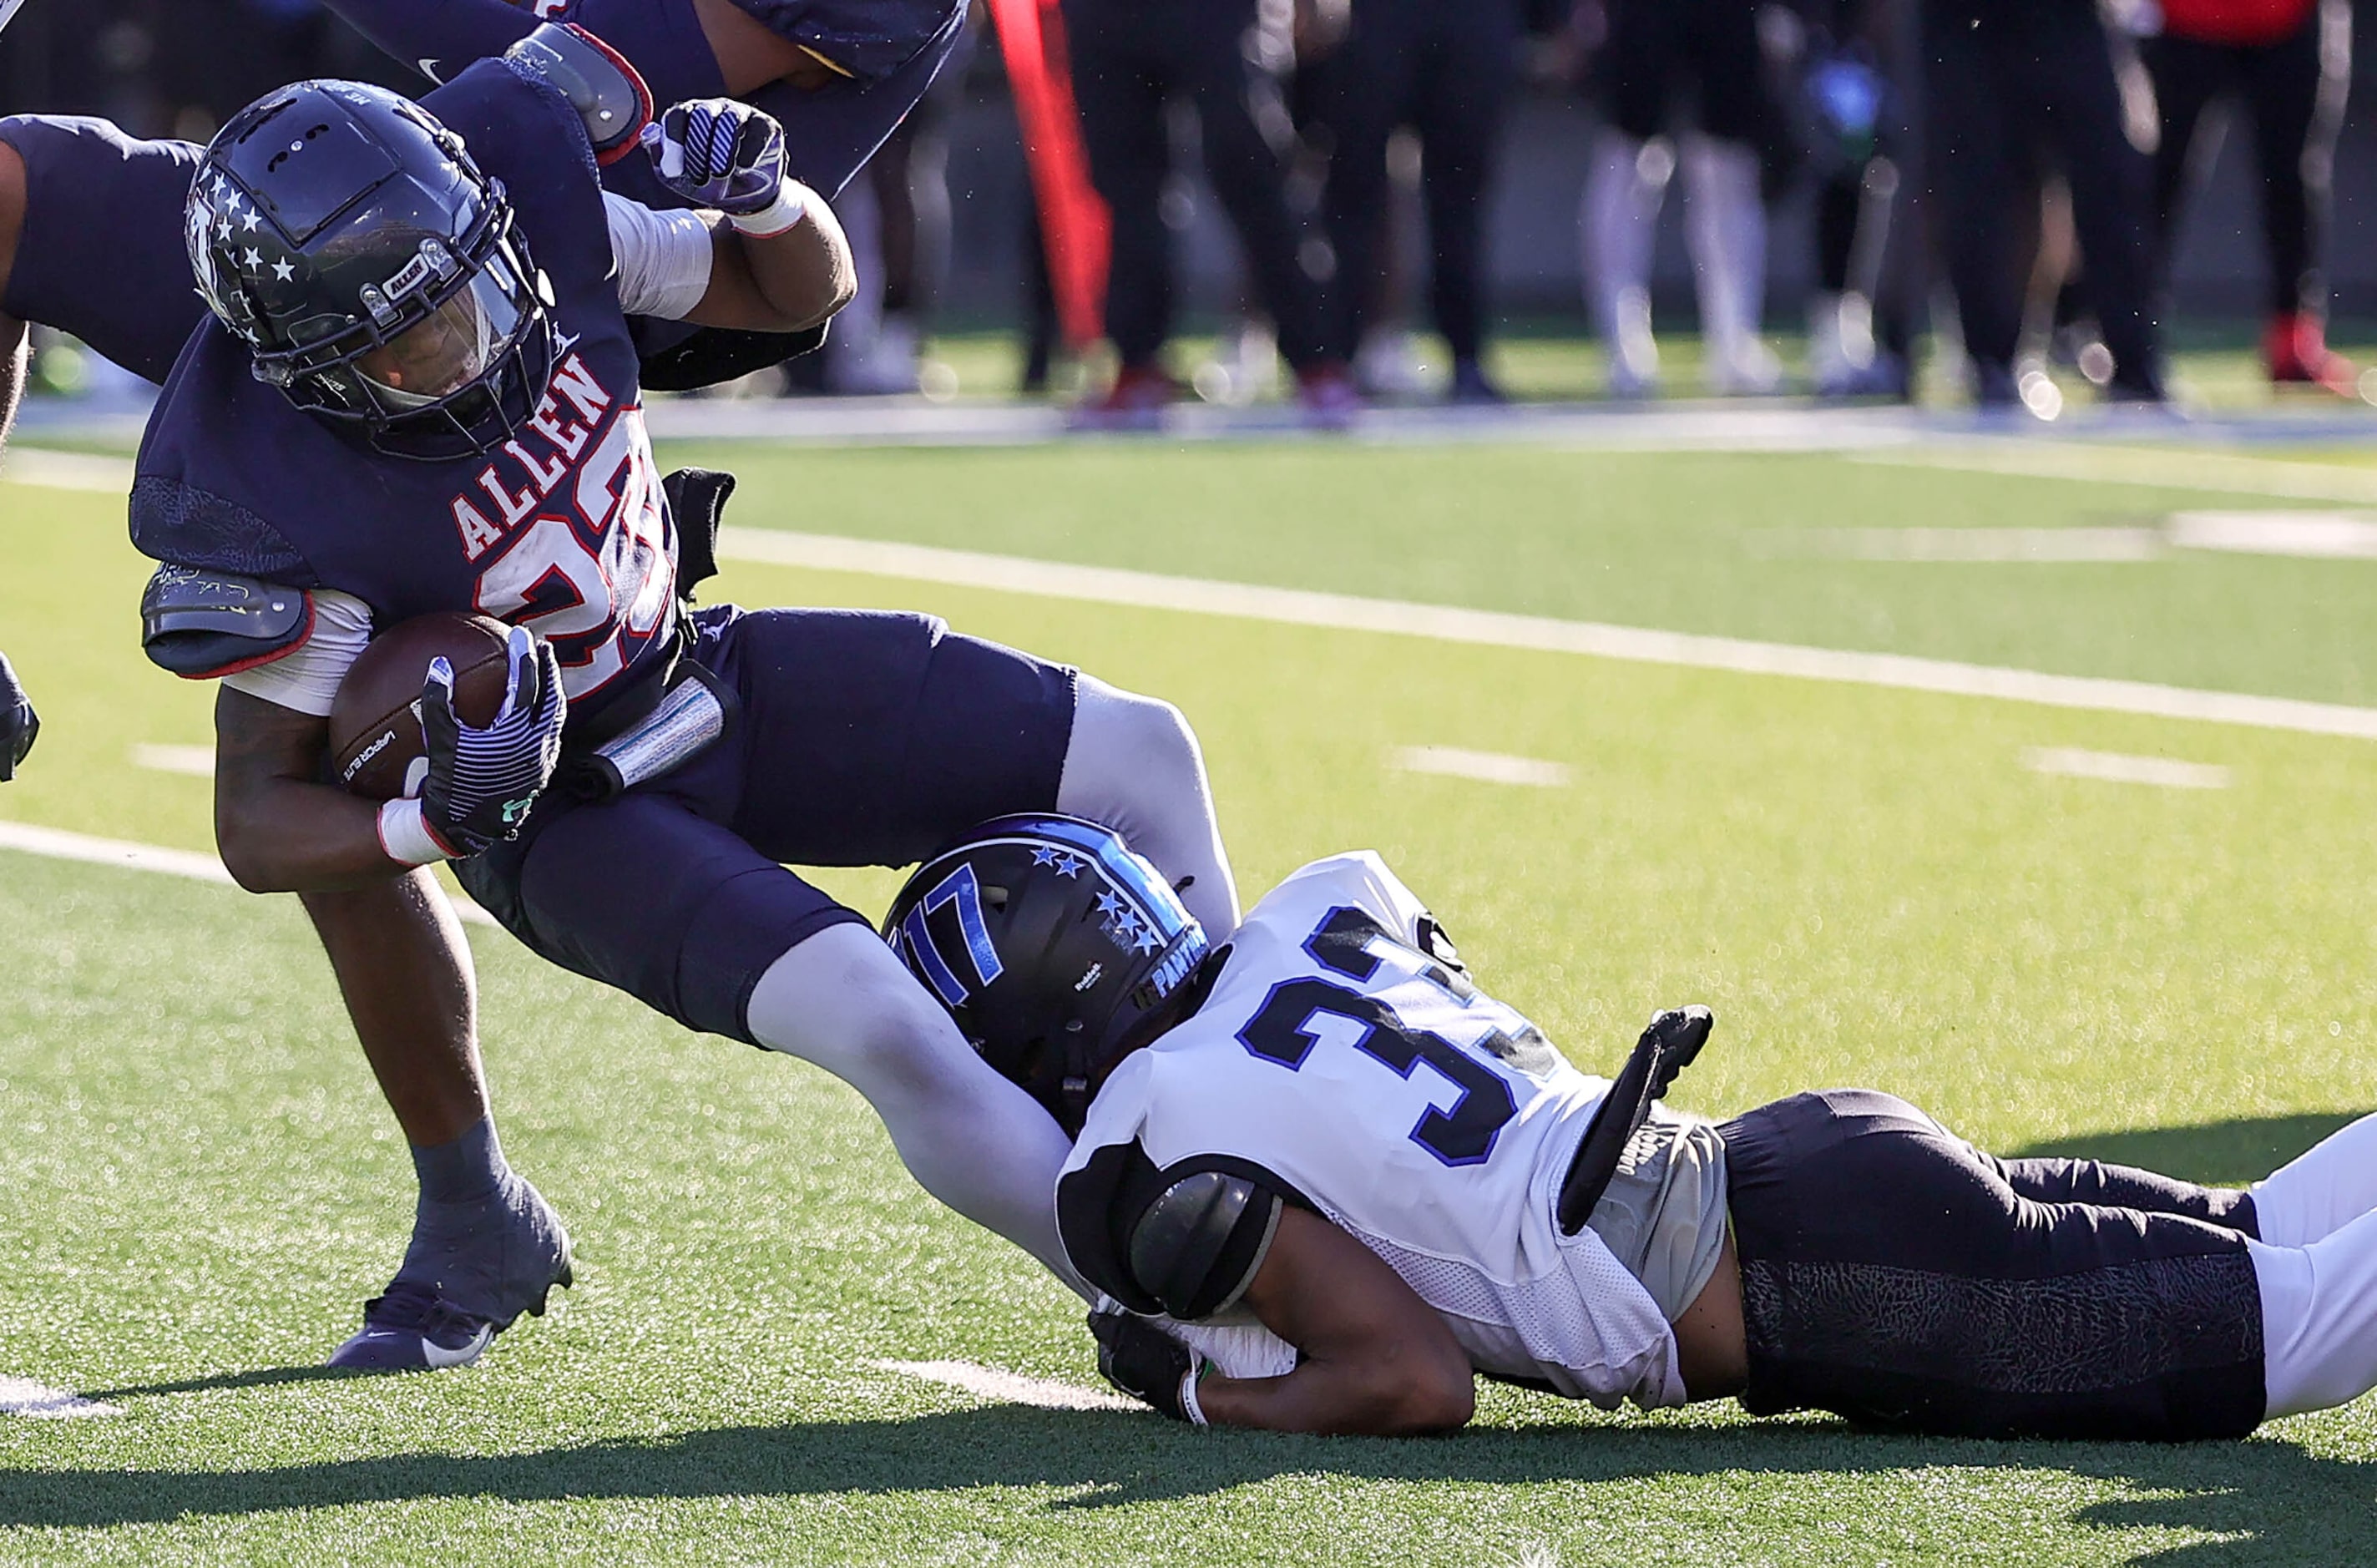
{"x": 375, "y": 719}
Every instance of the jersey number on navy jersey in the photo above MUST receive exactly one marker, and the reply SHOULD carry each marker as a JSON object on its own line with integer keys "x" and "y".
{"x": 583, "y": 560}
{"x": 1289, "y": 1025}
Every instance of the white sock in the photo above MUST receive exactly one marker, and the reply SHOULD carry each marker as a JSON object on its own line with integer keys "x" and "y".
{"x": 1133, "y": 765}
{"x": 2328, "y": 1187}
{"x": 1619, "y": 219}
{"x": 2319, "y": 1319}
{"x": 1725, "y": 226}
{"x": 971, "y": 1138}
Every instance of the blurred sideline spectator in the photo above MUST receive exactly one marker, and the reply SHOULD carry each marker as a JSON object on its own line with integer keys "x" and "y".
{"x": 1131, "y": 59}
{"x": 1446, "y": 71}
{"x": 1657, "y": 56}
{"x": 1997, "y": 74}
{"x": 899, "y": 221}
{"x": 1858, "y": 332}
{"x": 2289, "y": 63}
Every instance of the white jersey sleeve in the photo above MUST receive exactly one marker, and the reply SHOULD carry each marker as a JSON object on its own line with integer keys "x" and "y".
{"x": 1350, "y": 1071}
{"x": 663, "y": 258}
{"x": 307, "y": 677}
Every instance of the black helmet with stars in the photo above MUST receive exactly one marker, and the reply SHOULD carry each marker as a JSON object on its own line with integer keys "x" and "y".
{"x": 330, "y": 218}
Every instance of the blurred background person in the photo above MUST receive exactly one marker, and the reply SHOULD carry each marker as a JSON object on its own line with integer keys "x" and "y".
{"x": 897, "y": 214}
{"x": 2003, "y": 79}
{"x": 1654, "y": 60}
{"x": 1130, "y": 60}
{"x": 1447, "y": 72}
{"x": 1860, "y": 329}
{"x": 2287, "y": 64}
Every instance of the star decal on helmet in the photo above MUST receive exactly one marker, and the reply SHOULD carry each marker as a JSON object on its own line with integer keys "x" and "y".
{"x": 1108, "y": 903}
{"x": 282, "y": 272}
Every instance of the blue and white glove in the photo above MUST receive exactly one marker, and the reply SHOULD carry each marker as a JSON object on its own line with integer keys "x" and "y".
{"x": 19, "y": 722}
{"x": 481, "y": 782}
{"x": 730, "y": 157}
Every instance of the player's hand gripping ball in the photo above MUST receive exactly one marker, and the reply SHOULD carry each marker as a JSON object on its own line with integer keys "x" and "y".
{"x": 483, "y": 780}
{"x": 19, "y": 722}
{"x": 718, "y": 154}
{"x": 1142, "y": 1361}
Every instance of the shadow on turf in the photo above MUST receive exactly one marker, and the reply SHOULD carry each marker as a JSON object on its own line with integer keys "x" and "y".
{"x": 2220, "y": 1153}
{"x": 2276, "y": 1502}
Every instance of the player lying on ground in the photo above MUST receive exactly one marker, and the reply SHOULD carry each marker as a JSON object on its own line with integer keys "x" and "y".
{"x": 466, "y": 436}
{"x": 91, "y": 243}
{"x": 1326, "y": 1127}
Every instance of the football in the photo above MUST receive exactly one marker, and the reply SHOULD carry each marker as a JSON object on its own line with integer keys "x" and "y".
{"x": 375, "y": 741}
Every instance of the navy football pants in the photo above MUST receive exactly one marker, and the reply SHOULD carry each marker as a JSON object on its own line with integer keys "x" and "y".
{"x": 1893, "y": 1273}
{"x": 866, "y": 738}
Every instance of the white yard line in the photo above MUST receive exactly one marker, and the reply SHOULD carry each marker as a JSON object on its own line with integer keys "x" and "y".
{"x": 57, "y": 844}
{"x": 1488, "y": 767}
{"x": 2028, "y": 546}
{"x": 2332, "y": 536}
{"x": 198, "y": 762}
{"x": 1294, "y": 606}
{"x": 1012, "y": 1388}
{"x": 22, "y": 1397}
{"x": 2115, "y": 767}
{"x": 2164, "y": 468}
{"x": 67, "y": 471}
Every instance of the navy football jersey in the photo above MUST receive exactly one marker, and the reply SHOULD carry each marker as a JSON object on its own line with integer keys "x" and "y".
{"x": 563, "y": 529}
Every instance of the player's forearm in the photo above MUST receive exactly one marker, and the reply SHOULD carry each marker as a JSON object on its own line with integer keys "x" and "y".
{"x": 805, "y": 274}
{"x": 1381, "y": 1398}
{"x": 286, "y": 836}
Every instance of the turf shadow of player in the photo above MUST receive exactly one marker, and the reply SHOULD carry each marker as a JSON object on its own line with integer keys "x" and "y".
{"x": 2270, "y": 1501}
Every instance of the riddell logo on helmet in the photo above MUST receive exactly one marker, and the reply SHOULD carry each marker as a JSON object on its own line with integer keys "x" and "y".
{"x": 1090, "y": 977}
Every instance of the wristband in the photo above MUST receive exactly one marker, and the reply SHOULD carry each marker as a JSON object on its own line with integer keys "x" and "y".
{"x": 404, "y": 835}
{"x": 1188, "y": 1404}
{"x": 791, "y": 204}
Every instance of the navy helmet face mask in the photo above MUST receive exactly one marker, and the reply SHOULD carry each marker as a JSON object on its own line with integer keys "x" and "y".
{"x": 1054, "y": 946}
{"x": 374, "y": 273}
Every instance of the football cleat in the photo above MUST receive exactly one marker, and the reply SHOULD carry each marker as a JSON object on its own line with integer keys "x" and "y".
{"x": 410, "y": 1330}
{"x": 470, "y": 1271}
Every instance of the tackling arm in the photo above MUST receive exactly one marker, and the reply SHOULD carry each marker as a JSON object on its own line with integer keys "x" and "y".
{"x": 1376, "y": 1359}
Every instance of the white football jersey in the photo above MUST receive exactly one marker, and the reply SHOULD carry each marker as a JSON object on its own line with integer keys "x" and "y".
{"x": 1349, "y": 1070}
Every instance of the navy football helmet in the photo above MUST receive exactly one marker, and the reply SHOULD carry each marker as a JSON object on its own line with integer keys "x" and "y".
{"x": 375, "y": 274}
{"x": 1054, "y": 946}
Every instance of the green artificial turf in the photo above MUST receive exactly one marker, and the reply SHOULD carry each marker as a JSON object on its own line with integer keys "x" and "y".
{"x": 197, "y": 1184}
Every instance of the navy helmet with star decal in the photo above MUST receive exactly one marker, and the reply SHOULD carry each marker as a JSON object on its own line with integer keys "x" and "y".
{"x": 1053, "y": 945}
{"x": 373, "y": 272}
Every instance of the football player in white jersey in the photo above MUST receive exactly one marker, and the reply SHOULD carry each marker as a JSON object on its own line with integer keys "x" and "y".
{"x": 1326, "y": 1134}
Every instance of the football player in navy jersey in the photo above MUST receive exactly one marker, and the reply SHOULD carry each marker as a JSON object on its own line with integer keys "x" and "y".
{"x": 1324, "y": 1134}
{"x": 838, "y": 75}
{"x": 422, "y": 395}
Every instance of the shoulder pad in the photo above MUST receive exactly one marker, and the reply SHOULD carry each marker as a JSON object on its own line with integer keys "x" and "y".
{"x": 597, "y": 79}
{"x": 1196, "y": 1248}
{"x": 207, "y": 624}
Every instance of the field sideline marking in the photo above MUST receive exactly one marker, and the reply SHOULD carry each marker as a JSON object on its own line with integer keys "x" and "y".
{"x": 1444, "y": 623}
{"x": 22, "y": 1397}
{"x": 58, "y": 844}
{"x": 2162, "y": 468}
{"x": 1013, "y": 1388}
{"x": 2115, "y": 767}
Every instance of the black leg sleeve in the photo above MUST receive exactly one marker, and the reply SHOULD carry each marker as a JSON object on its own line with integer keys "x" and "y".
{"x": 1892, "y": 1276}
{"x": 1466, "y": 83}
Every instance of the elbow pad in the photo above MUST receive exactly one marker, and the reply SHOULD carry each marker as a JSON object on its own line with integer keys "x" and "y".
{"x": 597, "y": 79}
{"x": 1196, "y": 1248}
{"x": 204, "y": 625}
